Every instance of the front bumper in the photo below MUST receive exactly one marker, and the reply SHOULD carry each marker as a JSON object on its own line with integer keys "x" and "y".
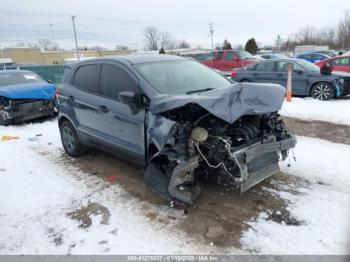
{"x": 19, "y": 111}
{"x": 260, "y": 160}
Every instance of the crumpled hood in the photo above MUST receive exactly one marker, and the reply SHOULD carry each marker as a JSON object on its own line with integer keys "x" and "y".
{"x": 229, "y": 103}
{"x": 41, "y": 90}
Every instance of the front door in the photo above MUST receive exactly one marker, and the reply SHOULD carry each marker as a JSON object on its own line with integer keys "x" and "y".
{"x": 299, "y": 77}
{"x": 121, "y": 127}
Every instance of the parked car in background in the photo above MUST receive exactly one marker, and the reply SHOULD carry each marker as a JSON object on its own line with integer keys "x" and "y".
{"x": 337, "y": 63}
{"x": 272, "y": 56}
{"x": 23, "y": 96}
{"x": 330, "y": 53}
{"x": 179, "y": 119}
{"x": 312, "y": 57}
{"x": 306, "y": 78}
{"x": 227, "y": 60}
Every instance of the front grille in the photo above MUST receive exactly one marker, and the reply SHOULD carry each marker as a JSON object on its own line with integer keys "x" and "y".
{"x": 262, "y": 161}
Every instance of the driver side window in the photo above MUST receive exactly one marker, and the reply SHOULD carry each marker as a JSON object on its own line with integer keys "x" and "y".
{"x": 114, "y": 80}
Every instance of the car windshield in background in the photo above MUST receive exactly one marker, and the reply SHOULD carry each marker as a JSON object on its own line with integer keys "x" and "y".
{"x": 309, "y": 67}
{"x": 15, "y": 78}
{"x": 181, "y": 77}
{"x": 244, "y": 54}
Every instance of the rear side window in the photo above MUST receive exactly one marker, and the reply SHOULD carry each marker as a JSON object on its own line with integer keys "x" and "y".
{"x": 219, "y": 55}
{"x": 229, "y": 56}
{"x": 341, "y": 61}
{"x": 86, "y": 78}
{"x": 114, "y": 80}
{"x": 265, "y": 67}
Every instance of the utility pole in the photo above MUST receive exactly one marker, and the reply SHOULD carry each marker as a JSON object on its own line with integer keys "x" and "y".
{"x": 52, "y": 35}
{"x": 3, "y": 58}
{"x": 211, "y": 33}
{"x": 75, "y": 37}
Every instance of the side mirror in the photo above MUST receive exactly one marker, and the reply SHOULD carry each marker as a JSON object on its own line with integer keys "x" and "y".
{"x": 130, "y": 99}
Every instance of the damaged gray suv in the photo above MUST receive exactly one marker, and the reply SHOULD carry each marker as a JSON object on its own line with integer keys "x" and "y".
{"x": 179, "y": 119}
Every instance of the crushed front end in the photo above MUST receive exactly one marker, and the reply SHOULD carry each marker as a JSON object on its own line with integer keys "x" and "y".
{"x": 203, "y": 146}
{"x": 19, "y": 110}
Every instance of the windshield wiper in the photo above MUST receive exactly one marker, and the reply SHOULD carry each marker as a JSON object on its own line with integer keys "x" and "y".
{"x": 199, "y": 90}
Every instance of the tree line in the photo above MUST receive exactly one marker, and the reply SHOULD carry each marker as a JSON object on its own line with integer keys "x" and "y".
{"x": 336, "y": 37}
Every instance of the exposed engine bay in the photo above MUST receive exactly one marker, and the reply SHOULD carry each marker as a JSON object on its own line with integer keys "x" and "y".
{"x": 203, "y": 146}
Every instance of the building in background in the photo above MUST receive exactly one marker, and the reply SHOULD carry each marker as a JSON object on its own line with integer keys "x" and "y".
{"x": 20, "y": 55}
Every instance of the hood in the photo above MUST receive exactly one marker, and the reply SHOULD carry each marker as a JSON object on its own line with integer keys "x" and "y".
{"x": 40, "y": 90}
{"x": 229, "y": 103}
{"x": 340, "y": 73}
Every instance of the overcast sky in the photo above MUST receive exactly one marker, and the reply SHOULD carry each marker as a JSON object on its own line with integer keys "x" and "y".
{"x": 106, "y": 23}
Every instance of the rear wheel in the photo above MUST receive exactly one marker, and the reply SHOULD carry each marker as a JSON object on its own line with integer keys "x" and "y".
{"x": 70, "y": 140}
{"x": 322, "y": 91}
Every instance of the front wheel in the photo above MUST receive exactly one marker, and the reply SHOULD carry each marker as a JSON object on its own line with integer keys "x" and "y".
{"x": 323, "y": 91}
{"x": 70, "y": 140}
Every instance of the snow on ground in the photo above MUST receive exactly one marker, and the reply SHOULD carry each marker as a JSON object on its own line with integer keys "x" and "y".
{"x": 336, "y": 111}
{"x": 36, "y": 193}
{"x": 37, "y": 190}
{"x": 322, "y": 204}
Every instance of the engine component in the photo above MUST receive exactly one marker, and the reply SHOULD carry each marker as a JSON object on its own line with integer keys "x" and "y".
{"x": 199, "y": 134}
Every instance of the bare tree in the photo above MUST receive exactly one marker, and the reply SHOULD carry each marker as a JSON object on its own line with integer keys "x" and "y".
{"x": 47, "y": 45}
{"x": 166, "y": 41}
{"x": 183, "y": 44}
{"x": 151, "y": 36}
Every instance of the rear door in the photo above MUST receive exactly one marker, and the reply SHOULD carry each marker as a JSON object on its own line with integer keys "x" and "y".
{"x": 218, "y": 60}
{"x": 228, "y": 62}
{"x": 264, "y": 72}
{"x": 119, "y": 126}
{"x": 82, "y": 98}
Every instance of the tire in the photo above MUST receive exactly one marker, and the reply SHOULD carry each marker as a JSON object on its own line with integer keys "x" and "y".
{"x": 70, "y": 140}
{"x": 323, "y": 91}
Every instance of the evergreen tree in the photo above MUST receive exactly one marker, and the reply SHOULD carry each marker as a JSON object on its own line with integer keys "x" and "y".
{"x": 251, "y": 46}
{"x": 226, "y": 45}
{"x": 162, "y": 51}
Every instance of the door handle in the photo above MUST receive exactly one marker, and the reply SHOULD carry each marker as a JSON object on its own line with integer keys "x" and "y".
{"x": 103, "y": 109}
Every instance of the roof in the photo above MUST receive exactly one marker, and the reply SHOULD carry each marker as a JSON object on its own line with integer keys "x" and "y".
{"x": 145, "y": 58}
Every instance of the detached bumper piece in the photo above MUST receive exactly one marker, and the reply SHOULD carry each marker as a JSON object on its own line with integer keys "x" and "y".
{"x": 260, "y": 160}
{"x": 23, "y": 110}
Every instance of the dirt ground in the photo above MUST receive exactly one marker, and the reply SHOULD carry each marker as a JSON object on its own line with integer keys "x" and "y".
{"x": 319, "y": 129}
{"x": 220, "y": 215}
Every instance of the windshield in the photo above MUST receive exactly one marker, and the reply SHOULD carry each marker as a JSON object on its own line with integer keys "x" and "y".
{"x": 15, "y": 78}
{"x": 309, "y": 67}
{"x": 181, "y": 77}
{"x": 244, "y": 54}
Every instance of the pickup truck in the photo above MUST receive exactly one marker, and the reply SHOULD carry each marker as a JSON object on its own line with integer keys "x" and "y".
{"x": 227, "y": 60}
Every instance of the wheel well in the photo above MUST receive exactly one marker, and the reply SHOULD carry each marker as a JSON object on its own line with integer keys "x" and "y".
{"x": 63, "y": 118}
{"x": 310, "y": 91}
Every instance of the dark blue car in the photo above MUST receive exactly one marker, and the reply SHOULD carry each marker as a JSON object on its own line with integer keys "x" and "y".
{"x": 23, "y": 96}
{"x": 307, "y": 79}
{"x": 313, "y": 57}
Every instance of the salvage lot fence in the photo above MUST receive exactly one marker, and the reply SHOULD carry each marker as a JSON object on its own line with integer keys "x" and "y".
{"x": 54, "y": 73}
